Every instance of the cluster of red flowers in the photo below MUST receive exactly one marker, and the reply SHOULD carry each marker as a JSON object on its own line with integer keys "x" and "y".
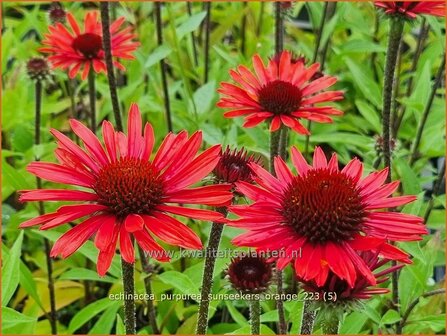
{"x": 334, "y": 216}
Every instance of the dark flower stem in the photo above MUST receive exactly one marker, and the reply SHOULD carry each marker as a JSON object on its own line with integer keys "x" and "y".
{"x": 105, "y": 20}
{"x": 421, "y": 126}
{"x": 279, "y": 28}
{"x": 208, "y": 271}
{"x": 158, "y": 20}
{"x": 307, "y": 321}
{"x": 129, "y": 303}
{"x": 330, "y": 326}
{"x": 255, "y": 312}
{"x": 395, "y": 35}
{"x": 419, "y": 48}
{"x": 147, "y": 283}
{"x": 282, "y": 324}
{"x": 207, "y": 41}
{"x": 92, "y": 99}
{"x": 127, "y": 268}
{"x": 436, "y": 191}
{"x": 414, "y": 303}
{"x": 243, "y": 27}
{"x": 283, "y": 142}
{"x": 319, "y": 35}
{"x": 53, "y": 316}
{"x": 274, "y": 148}
{"x": 274, "y": 151}
{"x": 193, "y": 36}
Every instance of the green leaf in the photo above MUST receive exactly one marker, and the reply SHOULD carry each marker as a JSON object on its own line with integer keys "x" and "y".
{"x": 88, "y": 312}
{"x": 179, "y": 281}
{"x": 353, "y": 323}
{"x": 235, "y": 314}
{"x": 369, "y": 113}
{"x": 204, "y": 96}
{"x": 410, "y": 181}
{"x": 105, "y": 322}
{"x": 120, "y": 328}
{"x": 157, "y": 55}
{"x": 87, "y": 249}
{"x": 365, "y": 83}
{"x": 14, "y": 177}
{"x": 12, "y": 319}
{"x": 246, "y": 330}
{"x": 390, "y": 317}
{"x": 86, "y": 274}
{"x": 190, "y": 25}
{"x": 361, "y": 46}
{"x": 11, "y": 271}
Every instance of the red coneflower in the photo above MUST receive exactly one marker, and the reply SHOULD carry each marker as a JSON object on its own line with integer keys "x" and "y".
{"x": 234, "y": 166}
{"x": 362, "y": 290}
{"x": 323, "y": 216}
{"x": 411, "y": 9}
{"x": 131, "y": 195}
{"x": 78, "y": 50}
{"x": 250, "y": 273}
{"x": 283, "y": 93}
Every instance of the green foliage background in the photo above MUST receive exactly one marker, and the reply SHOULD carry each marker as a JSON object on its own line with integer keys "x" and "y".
{"x": 358, "y": 36}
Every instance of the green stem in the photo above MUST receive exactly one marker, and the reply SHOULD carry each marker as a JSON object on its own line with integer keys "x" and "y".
{"x": 255, "y": 312}
{"x": 413, "y": 304}
{"x": 129, "y": 302}
{"x": 419, "y": 48}
{"x": 38, "y": 114}
{"x": 421, "y": 126}
{"x": 208, "y": 271}
{"x": 395, "y": 35}
{"x": 330, "y": 326}
{"x": 193, "y": 36}
{"x": 308, "y": 319}
{"x": 260, "y": 19}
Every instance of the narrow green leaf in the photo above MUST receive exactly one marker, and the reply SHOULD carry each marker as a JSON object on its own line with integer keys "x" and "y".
{"x": 13, "y": 319}
{"x": 11, "y": 271}
{"x": 190, "y": 25}
{"x": 390, "y": 317}
{"x": 105, "y": 323}
{"x": 157, "y": 55}
{"x": 88, "y": 312}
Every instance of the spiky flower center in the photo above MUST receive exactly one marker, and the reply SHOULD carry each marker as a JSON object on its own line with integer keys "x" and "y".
{"x": 233, "y": 166}
{"x": 323, "y": 206}
{"x": 57, "y": 14}
{"x": 250, "y": 273}
{"x": 280, "y": 97}
{"x": 88, "y": 44}
{"x": 37, "y": 68}
{"x": 129, "y": 186}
